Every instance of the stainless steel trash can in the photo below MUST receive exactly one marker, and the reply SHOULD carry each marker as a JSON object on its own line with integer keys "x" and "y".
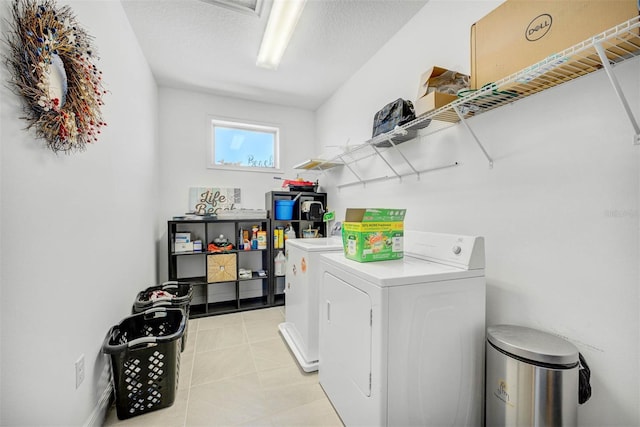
{"x": 531, "y": 379}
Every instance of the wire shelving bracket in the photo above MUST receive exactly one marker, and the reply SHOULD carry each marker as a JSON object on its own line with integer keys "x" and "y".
{"x": 473, "y": 135}
{"x": 618, "y": 91}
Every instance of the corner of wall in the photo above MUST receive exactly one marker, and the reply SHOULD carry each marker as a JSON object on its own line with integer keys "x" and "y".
{"x": 99, "y": 413}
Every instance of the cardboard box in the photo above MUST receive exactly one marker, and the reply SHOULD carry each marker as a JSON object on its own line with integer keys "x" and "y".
{"x": 244, "y": 273}
{"x": 373, "y": 234}
{"x": 221, "y": 268}
{"x": 438, "y": 87}
{"x": 183, "y": 247}
{"x": 521, "y": 33}
{"x": 433, "y": 101}
{"x": 183, "y": 237}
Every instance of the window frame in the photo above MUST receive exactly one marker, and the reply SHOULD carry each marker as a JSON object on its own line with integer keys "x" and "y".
{"x": 274, "y": 129}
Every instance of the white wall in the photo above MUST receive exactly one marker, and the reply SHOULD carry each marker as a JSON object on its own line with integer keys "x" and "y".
{"x": 559, "y": 210}
{"x": 3, "y": 76}
{"x": 184, "y": 118}
{"x": 81, "y": 234}
{"x": 78, "y": 234}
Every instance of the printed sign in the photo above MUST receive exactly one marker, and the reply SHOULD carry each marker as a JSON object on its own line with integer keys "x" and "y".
{"x": 213, "y": 200}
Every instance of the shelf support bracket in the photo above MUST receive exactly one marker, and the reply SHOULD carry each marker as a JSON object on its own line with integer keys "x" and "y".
{"x": 618, "y": 90}
{"x": 351, "y": 169}
{"x": 387, "y": 162}
{"x": 475, "y": 138}
{"x": 397, "y": 150}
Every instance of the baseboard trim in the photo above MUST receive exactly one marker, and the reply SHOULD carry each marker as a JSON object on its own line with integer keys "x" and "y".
{"x": 96, "y": 419}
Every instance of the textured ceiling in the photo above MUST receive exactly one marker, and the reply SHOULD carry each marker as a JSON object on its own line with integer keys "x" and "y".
{"x": 196, "y": 45}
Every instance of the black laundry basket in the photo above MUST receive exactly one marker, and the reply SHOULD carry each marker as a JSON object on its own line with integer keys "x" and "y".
{"x": 181, "y": 294}
{"x": 145, "y": 360}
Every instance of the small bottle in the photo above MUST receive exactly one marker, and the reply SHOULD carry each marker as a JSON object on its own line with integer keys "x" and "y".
{"x": 280, "y": 231}
{"x": 240, "y": 240}
{"x": 290, "y": 233}
{"x": 245, "y": 240}
{"x": 254, "y": 237}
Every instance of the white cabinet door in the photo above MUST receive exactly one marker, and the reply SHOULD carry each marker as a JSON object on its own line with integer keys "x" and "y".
{"x": 436, "y": 354}
{"x": 345, "y": 346}
{"x": 297, "y": 300}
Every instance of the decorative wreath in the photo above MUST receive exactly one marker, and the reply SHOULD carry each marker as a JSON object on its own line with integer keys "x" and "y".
{"x": 51, "y": 65}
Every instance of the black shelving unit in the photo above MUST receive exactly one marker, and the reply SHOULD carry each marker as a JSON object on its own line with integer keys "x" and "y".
{"x": 215, "y": 293}
{"x": 299, "y": 221}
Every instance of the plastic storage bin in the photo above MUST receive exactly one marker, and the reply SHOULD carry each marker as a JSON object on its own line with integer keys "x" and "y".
{"x": 144, "y": 351}
{"x": 178, "y": 296}
{"x": 284, "y": 209}
{"x": 531, "y": 378}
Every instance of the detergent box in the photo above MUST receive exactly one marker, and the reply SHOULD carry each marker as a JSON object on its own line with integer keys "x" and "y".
{"x": 373, "y": 234}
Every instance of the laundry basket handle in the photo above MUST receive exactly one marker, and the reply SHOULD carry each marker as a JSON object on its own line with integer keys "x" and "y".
{"x": 162, "y": 302}
{"x": 142, "y": 340}
{"x": 152, "y": 312}
{"x": 172, "y": 284}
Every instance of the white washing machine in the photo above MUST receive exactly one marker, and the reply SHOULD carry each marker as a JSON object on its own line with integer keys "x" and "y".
{"x": 302, "y": 282}
{"x": 402, "y": 341}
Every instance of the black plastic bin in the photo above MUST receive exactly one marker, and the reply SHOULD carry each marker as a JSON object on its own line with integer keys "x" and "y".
{"x": 181, "y": 294}
{"x": 145, "y": 359}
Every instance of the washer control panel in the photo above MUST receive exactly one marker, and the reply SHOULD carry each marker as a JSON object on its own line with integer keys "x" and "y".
{"x": 465, "y": 252}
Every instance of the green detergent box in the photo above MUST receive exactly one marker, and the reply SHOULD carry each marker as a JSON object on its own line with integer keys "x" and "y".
{"x": 373, "y": 234}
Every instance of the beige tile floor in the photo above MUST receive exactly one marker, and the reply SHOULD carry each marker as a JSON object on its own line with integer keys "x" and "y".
{"x": 236, "y": 370}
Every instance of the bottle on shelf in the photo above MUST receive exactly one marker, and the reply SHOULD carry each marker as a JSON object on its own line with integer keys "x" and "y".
{"x": 280, "y": 231}
{"x": 254, "y": 237}
{"x": 262, "y": 239}
{"x": 280, "y": 264}
{"x": 289, "y": 232}
{"x": 278, "y": 237}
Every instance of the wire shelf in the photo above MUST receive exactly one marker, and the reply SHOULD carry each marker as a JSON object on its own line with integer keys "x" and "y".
{"x": 617, "y": 45}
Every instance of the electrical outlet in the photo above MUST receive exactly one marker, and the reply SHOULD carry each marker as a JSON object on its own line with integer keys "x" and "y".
{"x": 79, "y": 370}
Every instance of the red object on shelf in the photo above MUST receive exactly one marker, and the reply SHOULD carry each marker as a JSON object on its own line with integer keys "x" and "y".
{"x": 211, "y": 247}
{"x": 297, "y": 185}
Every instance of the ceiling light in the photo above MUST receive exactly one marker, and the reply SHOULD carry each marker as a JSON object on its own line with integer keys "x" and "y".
{"x": 250, "y": 7}
{"x": 282, "y": 21}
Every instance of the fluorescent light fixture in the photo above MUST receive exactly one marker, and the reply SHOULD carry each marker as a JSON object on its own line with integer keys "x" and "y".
{"x": 249, "y": 7}
{"x": 282, "y": 21}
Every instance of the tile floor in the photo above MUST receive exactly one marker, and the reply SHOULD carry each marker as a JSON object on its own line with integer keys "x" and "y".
{"x": 236, "y": 370}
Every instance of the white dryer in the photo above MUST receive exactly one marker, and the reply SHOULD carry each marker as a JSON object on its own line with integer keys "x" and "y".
{"x": 402, "y": 341}
{"x": 302, "y": 282}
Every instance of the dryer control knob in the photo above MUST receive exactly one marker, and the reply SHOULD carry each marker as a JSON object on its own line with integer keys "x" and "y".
{"x": 456, "y": 250}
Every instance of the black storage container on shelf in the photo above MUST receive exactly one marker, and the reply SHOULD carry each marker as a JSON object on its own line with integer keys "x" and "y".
{"x": 144, "y": 351}
{"x": 169, "y": 294}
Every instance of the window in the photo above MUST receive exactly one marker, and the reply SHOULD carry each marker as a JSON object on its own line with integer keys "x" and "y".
{"x": 245, "y": 146}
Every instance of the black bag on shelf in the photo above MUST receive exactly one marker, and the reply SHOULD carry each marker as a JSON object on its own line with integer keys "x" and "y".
{"x": 393, "y": 114}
